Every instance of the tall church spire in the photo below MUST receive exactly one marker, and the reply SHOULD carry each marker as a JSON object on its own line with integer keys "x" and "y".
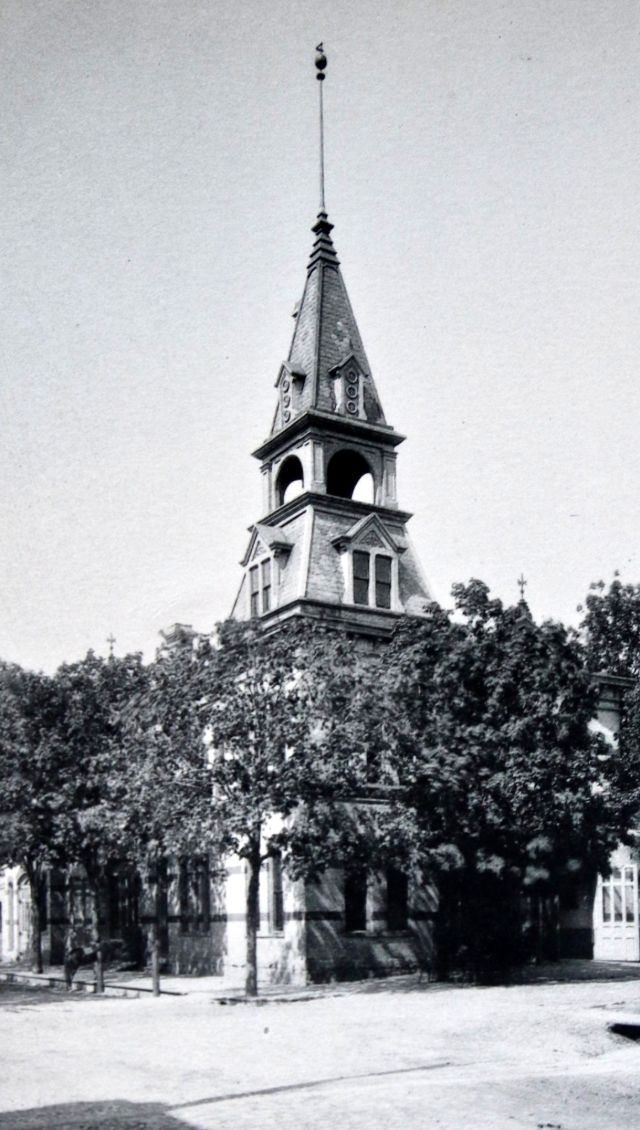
{"x": 324, "y": 546}
{"x": 327, "y": 368}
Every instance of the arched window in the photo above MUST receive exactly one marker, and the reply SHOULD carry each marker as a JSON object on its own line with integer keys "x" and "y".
{"x": 346, "y": 471}
{"x": 290, "y": 481}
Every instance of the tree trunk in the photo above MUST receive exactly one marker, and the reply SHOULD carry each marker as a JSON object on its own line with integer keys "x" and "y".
{"x": 96, "y": 891}
{"x": 253, "y": 922}
{"x": 153, "y": 880}
{"x": 35, "y": 936}
{"x": 155, "y": 959}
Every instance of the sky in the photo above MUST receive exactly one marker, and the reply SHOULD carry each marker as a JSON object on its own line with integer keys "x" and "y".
{"x": 159, "y": 164}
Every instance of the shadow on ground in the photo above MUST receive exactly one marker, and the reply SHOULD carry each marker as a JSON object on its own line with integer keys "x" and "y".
{"x": 550, "y": 973}
{"x": 116, "y": 1115}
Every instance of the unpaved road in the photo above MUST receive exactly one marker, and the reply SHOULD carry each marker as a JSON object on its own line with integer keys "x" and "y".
{"x": 421, "y": 1056}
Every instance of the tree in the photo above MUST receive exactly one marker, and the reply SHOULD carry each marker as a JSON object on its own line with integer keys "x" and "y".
{"x": 254, "y": 745}
{"x": 30, "y": 760}
{"x": 165, "y": 800}
{"x": 95, "y": 697}
{"x": 503, "y": 789}
{"x": 611, "y": 628}
{"x": 611, "y": 633}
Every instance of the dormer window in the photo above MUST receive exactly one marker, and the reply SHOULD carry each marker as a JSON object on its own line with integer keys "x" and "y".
{"x": 290, "y": 382}
{"x": 349, "y": 388}
{"x": 370, "y": 555}
{"x": 265, "y": 563}
{"x": 260, "y": 588}
{"x": 372, "y": 579}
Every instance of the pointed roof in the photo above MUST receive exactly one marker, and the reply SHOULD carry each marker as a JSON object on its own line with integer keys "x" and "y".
{"x": 326, "y": 338}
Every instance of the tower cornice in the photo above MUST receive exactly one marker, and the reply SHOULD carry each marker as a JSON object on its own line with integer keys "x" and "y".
{"x": 332, "y": 504}
{"x": 318, "y": 424}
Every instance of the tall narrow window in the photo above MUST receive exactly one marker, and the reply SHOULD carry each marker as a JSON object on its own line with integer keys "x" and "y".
{"x": 193, "y": 890}
{"x": 266, "y": 585}
{"x": 383, "y": 581}
{"x": 201, "y": 893}
{"x": 629, "y": 895}
{"x": 355, "y": 901}
{"x": 360, "y": 577}
{"x": 276, "y": 901}
{"x": 397, "y": 900}
{"x": 183, "y": 896}
{"x": 254, "y": 588}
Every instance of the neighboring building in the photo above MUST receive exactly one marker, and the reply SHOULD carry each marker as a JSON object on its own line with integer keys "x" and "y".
{"x": 15, "y": 908}
{"x": 606, "y": 926}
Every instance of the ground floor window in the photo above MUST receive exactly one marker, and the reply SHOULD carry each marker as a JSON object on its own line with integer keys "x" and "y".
{"x": 355, "y": 901}
{"x": 618, "y": 896}
{"x": 397, "y": 900}
{"x": 194, "y": 887}
{"x": 276, "y": 901}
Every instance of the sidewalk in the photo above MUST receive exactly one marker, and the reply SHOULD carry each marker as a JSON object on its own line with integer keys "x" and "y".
{"x": 135, "y": 983}
{"x": 132, "y": 983}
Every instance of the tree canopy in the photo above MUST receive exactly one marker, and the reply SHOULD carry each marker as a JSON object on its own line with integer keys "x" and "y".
{"x": 504, "y": 789}
{"x": 461, "y": 750}
{"x": 611, "y": 627}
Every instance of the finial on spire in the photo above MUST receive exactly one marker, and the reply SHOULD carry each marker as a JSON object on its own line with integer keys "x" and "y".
{"x": 111, "y": 640}
{"x": 522, "y": 583}
{"x": 321, "y": 63}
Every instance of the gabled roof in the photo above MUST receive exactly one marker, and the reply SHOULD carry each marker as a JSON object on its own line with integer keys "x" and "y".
{"x": 366, "y": 530}
{"x": 273, "y": 538}
{"x": 326, "y": 334}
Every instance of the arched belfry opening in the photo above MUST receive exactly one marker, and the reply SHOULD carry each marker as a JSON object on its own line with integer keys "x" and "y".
{"x": 350, "y": 476}
{"x": 290, "y": 481}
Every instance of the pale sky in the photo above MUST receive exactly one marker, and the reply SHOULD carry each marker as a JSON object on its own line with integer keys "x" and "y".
{"x": 159, "y": 180}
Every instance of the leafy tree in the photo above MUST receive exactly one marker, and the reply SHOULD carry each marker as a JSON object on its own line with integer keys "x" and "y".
{"x": 503, "y": 789}
{"x": 611, "y": 631}
{"x": 165, "y": 800}
{"x": 611, "y": 628}
{"x": 95, "y": 697}
{"x": 30, "y": 760}
{"x": 254, "y": 746}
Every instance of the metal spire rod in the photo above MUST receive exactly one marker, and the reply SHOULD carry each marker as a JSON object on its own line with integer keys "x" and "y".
{"x": 321, "y": 62}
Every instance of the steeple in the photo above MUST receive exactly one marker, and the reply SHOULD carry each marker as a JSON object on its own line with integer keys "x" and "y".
{"x": 327, "y": 368}
{"x": 331, "y": 541}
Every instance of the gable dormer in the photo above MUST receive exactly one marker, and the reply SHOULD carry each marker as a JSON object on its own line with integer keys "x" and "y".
{"x": 266, "y": 557}
{"x": 290, "y": 385}
{"x": 370, "y": 557}
{"x": 354, "y": 392}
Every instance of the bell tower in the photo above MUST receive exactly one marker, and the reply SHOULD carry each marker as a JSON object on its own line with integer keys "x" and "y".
{"x": 332, "y": 542}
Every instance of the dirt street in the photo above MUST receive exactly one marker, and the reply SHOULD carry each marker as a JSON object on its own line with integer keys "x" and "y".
{"x": 407, "y": 1055}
